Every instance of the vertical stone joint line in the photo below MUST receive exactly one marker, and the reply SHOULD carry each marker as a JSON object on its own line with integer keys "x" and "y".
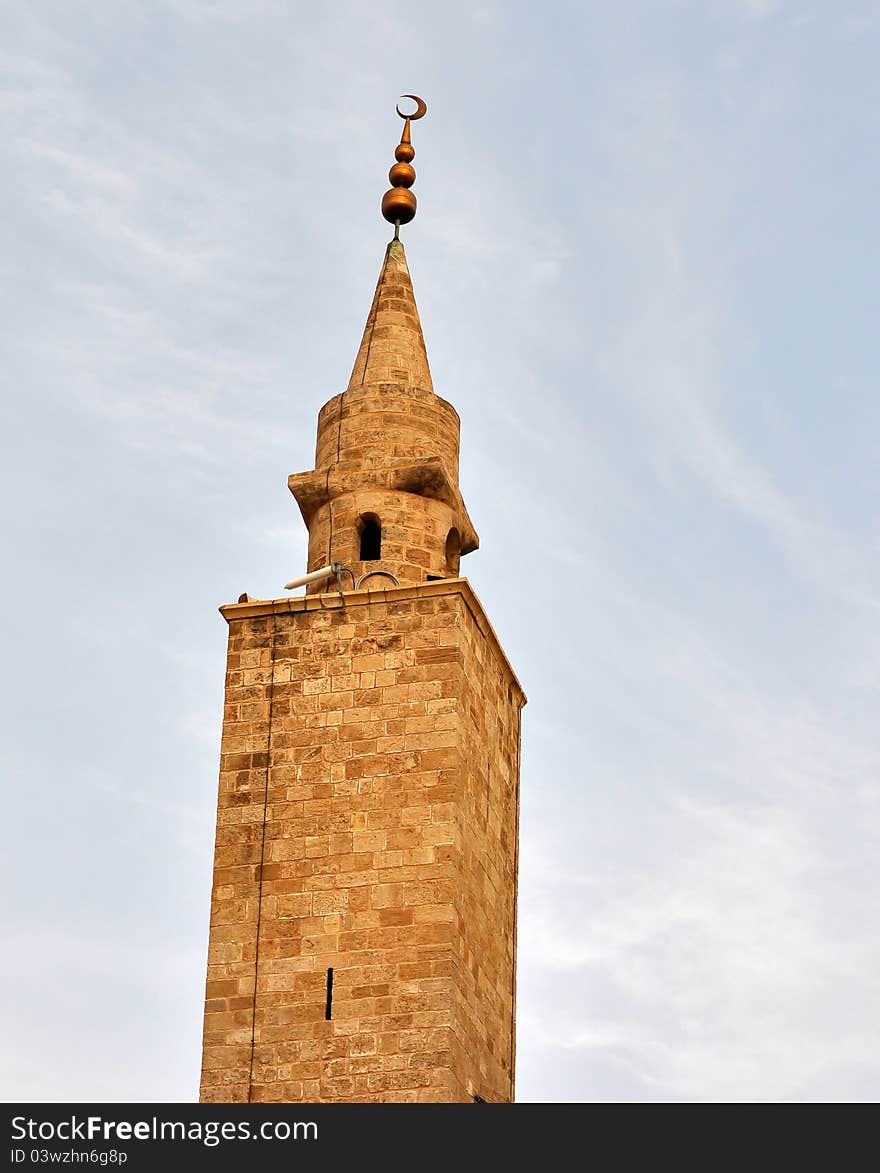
{"x": 262, "y": 859}
{"x": 329, "y": 471}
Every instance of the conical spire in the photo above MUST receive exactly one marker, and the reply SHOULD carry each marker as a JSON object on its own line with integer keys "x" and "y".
{"x": 393, "y": 347}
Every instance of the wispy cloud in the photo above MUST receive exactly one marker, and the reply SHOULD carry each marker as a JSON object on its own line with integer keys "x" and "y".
{"x": 635, "y": 266}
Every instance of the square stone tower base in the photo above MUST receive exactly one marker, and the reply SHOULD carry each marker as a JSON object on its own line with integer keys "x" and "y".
{"x": 363, "y": 917}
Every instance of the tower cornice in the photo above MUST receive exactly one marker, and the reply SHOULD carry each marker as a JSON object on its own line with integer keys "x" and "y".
{"x": 425, "y": 477}
{"x": 255, "y": 608}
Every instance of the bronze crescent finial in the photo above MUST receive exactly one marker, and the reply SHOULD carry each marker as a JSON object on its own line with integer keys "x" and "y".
{"x": 399, "y": 203}
{"x": 421, "y": 108}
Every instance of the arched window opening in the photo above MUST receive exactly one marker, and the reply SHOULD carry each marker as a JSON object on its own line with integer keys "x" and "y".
{"x": 453, "y": 552}
{"x": 371, "y": 538}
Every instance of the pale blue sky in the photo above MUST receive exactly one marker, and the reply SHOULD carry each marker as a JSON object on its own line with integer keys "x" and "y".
{"x": 646, "y": 259}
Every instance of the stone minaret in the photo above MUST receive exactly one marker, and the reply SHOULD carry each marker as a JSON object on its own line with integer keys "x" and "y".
{"x": 363, "y": 916}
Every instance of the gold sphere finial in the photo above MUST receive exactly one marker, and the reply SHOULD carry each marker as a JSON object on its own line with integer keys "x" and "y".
{"x": 399, "y": 203}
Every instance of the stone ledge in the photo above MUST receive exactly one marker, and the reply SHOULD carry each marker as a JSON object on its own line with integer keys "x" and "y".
{"x": 424, "y": 477}
{"x": 444, "y": 586}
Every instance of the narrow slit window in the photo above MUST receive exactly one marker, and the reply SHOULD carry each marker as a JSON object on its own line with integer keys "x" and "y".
{"x": 328, "y": 1008}
{"x": 371, "y": 538}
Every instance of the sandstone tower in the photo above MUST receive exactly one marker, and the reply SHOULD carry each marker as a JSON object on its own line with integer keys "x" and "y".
{"x": 363, "y": 916}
